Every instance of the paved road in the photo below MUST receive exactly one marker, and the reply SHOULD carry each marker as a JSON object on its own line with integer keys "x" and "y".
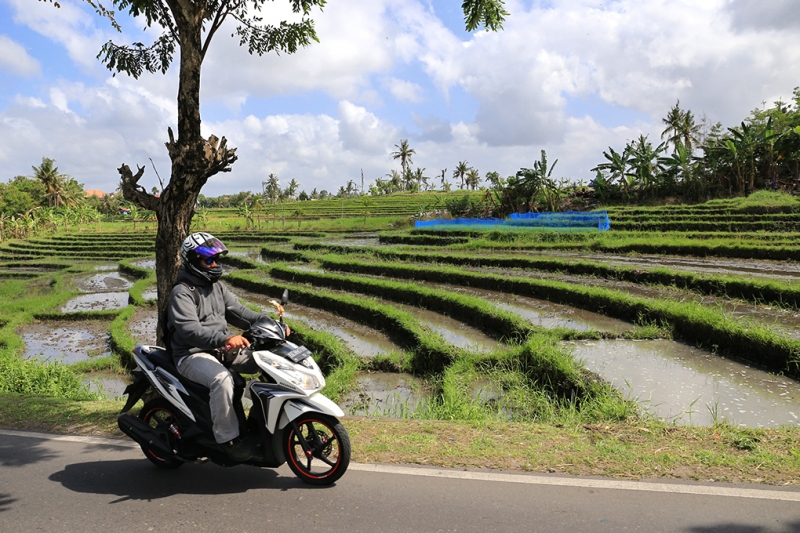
{"x": 73, "y": 484}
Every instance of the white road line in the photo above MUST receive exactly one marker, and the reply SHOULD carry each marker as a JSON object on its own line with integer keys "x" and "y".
{"x": 103, "y": 441}
{"x": 531, "y": 479}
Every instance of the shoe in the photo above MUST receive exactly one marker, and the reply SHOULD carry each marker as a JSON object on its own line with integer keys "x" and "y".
{"x": 237, "y": 449}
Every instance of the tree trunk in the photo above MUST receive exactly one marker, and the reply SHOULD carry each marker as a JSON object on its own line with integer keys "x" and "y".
{"x": 194, "y": 159}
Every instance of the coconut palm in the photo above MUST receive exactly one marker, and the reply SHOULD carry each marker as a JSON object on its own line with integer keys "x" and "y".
{"x": 461, "y": 172}
{"x": 681, "y": 128}
{"x": 404, "y": 153}
{"x": 273, "y": 188}
{"x": 54, "y": 183}
{"x": 473, "y": 178}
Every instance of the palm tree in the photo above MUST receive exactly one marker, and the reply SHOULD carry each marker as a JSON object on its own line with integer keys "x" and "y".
{"x": 681, "y": 128}
{"x": 473, "y": 178}
{"x": 644, "y": 161}
{"x": 291, "y": 190}
{"x": 421, "y": 179}
{"x": 395, "y": 180}
{"x": 404, "y": 153}
{"x": 54, "y": 183}
{"x": 460, "y": 172}
{"x": 272, "y": 188}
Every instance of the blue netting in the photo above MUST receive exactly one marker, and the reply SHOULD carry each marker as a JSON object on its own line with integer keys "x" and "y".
{"x": 566, "y": 221}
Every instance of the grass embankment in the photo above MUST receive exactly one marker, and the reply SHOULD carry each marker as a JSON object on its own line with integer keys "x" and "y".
{"x": 541, "y": 379}
{"x": 695, "y": 323}
{"x": 22, "y": 302}
{"x": 616, "y": 243}
{"x": 759, "y": 291}
{"x": 616, "y": 449}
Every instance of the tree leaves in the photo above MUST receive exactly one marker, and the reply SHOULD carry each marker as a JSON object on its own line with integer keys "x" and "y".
{"x": 487, "y": 13}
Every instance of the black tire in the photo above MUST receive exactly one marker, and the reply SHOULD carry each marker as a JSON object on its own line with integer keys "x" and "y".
{"x": 329, "y": 449}
{"x": 160, "y": 413}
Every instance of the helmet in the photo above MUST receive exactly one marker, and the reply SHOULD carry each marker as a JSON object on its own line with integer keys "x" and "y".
{"x": 199, "y": 246}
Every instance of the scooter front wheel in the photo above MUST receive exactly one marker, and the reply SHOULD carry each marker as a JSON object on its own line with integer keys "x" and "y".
{"x": 317, "y": 448}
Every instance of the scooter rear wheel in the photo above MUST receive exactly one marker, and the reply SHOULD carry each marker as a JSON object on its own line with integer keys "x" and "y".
{"x": 158, "y": 413}
{"x": 319, "y": 452}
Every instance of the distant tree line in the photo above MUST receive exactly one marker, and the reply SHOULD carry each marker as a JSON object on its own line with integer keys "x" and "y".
{"x": 697, "y": 161}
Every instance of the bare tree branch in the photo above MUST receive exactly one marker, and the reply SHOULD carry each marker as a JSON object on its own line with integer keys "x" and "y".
{"x": 132, "y": 191}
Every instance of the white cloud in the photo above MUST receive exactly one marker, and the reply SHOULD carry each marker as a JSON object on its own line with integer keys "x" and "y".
{"x": 14, "y": 59}
{"x": 403, "y": 90}
{"x": 69, "y": 26}
{"x": 374, "y": 62}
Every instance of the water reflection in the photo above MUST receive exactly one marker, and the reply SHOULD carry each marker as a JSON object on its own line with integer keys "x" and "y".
{"x": 687, "y": 385}
{"x": 385, "y": 394}
{"x": 109, "y": 281}
{"x": 361, "y": 339}
{"x": 102, "y": 301}
{"x": 110, "y": 385}
{"x": 66, "y": 342}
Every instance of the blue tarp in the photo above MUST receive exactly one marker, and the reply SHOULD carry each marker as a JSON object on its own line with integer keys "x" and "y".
{"x": 566, "y": 221}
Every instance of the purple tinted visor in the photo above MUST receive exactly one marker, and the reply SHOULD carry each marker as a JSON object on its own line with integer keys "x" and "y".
{"x": 210, "y": 248}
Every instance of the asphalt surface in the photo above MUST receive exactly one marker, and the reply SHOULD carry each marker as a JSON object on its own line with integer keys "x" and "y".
{"x": 75, "y": 484}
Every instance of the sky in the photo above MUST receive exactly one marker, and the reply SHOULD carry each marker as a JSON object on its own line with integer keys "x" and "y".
{"x": 572, "y": 77}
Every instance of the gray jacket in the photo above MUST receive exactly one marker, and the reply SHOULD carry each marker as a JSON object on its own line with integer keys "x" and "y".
{"x": 203, "y": 327}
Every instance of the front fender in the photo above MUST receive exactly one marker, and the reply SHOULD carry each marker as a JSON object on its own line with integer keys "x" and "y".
{"x": 317, "y": 403}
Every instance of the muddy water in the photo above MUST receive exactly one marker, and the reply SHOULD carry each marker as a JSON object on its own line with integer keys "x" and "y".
{"x": 749, "y": 267}
{"x": 362, "y": 340}
{"x": 142, "y": 325}
{"x": 150, "y": 294}
{"x": 251, "y": 254}
{"x": 385, "y": 394}
{"x": 145, "y": 263}
{"x": 676, "y": 382}
{"x": 108, "y": 281}
{"x": 110, "y": 385}
{"x": 68, "y": 342}
{"x": 102, "y": 301}
{"x": 455, "y": 332}
{"x": 787, "y": 322}
{"x": 544, "y": 313}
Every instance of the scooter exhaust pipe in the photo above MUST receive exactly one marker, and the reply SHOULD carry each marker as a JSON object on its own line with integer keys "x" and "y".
{"x": 147, "y": 437}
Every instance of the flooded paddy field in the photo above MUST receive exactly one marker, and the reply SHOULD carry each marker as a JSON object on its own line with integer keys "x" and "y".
{"x": 105, "y": 282}
{"x": 364, "y": 341}
{"x": 686, "y": 385}
{"x": 783, "y": 270}
{"x": 385, "y": 394}
{"x": 65, "y": 341}
{"x": 542, "y": 312}
{"x": 101, "y": 301}
{"x": 785, "y": 320}
{"x": 251, "y": 254}
{"x": 109, "y": 384}
{"x": 149, "y": 264}
{"x": 454, "y": 331}
{"x": 142, "y": 325}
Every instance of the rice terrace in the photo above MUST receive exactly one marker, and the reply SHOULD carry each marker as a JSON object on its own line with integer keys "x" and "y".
{"x": 666, "y": 346}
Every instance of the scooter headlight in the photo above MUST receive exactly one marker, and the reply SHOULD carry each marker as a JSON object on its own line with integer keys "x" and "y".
{"x": 298, "y": 376}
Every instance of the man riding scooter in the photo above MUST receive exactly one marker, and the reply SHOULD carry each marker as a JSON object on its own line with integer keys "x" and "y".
{"x": 200, "y": 309}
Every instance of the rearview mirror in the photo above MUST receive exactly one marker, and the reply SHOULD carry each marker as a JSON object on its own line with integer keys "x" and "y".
{"x": 285, "y": 297}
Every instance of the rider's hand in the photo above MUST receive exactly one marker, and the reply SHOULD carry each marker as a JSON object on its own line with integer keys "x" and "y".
{"x": 236, "y": 341}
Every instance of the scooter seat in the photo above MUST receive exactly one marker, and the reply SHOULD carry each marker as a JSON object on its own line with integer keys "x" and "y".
{"x": 160, "y": 358}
